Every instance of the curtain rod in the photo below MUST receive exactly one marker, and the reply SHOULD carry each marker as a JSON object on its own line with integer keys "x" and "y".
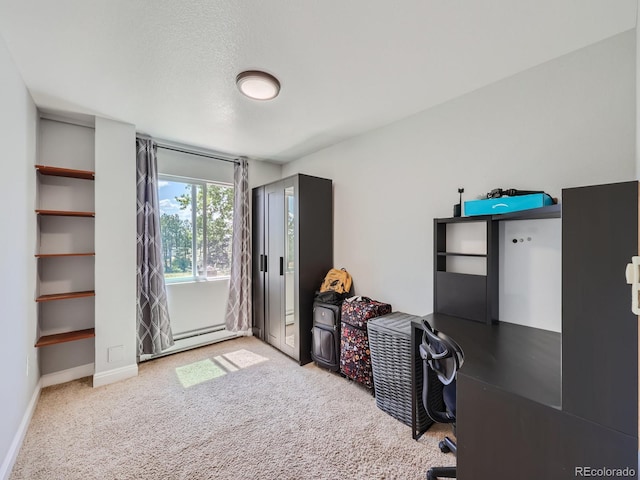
{"x": 199, "y": 154}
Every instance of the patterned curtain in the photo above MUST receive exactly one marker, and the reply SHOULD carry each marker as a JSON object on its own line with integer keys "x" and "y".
{"x": 154, "y": 330}
{"x": 238, "y": 316}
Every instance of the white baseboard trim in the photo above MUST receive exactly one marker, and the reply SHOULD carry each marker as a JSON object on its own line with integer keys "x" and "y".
{"x": 192, "y": 342}
{"x": 16, "y": 444}
{"x": 115, "y": 375}
{"x": 65, "y": 376}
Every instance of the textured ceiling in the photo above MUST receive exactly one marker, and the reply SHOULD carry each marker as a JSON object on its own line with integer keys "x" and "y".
{"x": 345, "y": 67}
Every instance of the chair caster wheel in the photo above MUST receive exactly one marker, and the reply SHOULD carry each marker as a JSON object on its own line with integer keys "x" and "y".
{"x": 443, "y": 447}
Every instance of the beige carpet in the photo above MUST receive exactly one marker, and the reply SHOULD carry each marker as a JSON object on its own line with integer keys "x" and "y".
{"x": 235, "y": 410}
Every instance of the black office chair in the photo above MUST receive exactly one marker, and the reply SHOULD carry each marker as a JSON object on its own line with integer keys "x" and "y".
{"x": 441, "y": 358}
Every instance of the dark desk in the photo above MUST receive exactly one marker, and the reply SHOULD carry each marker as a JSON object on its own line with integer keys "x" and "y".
{"x": 510, "y": 423}
{"x": 522, "y": 360}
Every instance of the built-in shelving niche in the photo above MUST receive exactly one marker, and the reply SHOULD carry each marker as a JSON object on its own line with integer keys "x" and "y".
{"x": 65, "y": 212}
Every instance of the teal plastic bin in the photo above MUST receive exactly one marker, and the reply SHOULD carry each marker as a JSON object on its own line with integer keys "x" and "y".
{"x": 494, "y": 206}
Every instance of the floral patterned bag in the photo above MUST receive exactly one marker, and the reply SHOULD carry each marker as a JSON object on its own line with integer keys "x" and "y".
{"x": 355, "y": 356}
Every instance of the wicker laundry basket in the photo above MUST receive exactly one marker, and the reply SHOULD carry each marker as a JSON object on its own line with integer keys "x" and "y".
{"x": 390, "y": 345}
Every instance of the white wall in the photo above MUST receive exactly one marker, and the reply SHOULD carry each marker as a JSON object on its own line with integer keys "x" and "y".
{"x": 18, "y": 127}
{"x": 192, "y": 303}
{"x": 261, "y": 173}
{"x": 565, "y": 123}
{"x": 115, "y": 243}
{"x": 195, "y": 305}
{"x": 194, "y": 166}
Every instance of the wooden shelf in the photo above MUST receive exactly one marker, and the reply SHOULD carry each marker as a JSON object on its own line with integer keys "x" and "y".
{"x": 55, "y": 255}
{"x": 65, "y": 172}
{"x": 47, "y": 340}
{"x": 65, "y": 213}
{"x": 65, "y": 296}
{"x": 454, "y": 254}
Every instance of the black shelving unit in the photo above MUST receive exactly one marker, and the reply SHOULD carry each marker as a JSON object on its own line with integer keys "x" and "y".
{"x": 473, "y": 296}
{"x": 466, "y": 295}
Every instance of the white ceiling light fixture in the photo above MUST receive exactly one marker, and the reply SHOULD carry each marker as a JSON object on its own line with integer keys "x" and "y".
{"x": 258, "y": 85}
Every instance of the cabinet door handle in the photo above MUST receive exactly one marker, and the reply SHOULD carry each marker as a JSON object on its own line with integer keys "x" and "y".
{"x": 281, "y": 265}
{"x": 261, "y": 263}
{"x": 264, "y": 263}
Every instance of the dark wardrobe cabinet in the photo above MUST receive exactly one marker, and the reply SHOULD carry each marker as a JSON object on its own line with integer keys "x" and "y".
{"x": 599, "y": 331}
{"x": 292, "y": 233}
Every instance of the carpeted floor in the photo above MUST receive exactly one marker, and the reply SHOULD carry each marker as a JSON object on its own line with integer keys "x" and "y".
{"x": 234, "y": 410}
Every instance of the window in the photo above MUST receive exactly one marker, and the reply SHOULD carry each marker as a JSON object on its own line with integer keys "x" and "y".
{"x": 196, "y": 224}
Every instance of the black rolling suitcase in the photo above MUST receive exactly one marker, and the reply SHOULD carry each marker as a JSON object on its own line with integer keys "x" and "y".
{"x": 325, "y": 347}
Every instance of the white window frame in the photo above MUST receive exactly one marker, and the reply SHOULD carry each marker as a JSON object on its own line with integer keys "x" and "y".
{"x": 194, "y": 182}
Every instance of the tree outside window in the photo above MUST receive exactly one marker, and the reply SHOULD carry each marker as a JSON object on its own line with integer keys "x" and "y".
{"x": 196, "y": 228}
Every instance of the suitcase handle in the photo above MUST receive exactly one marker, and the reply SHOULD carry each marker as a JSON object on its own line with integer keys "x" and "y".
{"x": 358, "y": 299}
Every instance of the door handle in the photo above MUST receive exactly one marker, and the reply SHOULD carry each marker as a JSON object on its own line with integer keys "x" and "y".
{"x": 264, "y": 263}
{"x": 632, "y": 274}
{"x": 261, "y": 263}
{"x": 281, "y": 265}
